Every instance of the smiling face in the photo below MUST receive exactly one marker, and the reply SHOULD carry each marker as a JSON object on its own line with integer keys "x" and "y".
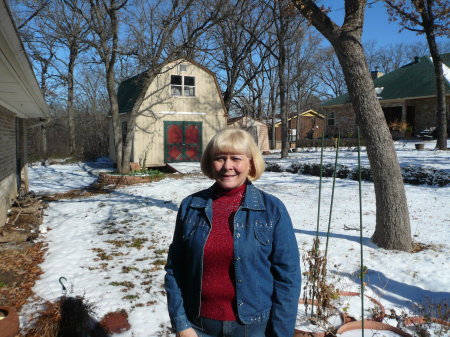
{"x": 231, "y": 170}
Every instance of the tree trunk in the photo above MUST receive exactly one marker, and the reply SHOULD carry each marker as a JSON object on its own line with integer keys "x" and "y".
{"x": 44, "y": 144}
{"x": 441, "y": 114}
{"x": 392, "y": 217}
{"x": 392, "y": 229}
{"x": 283, "y": 90}
{"x": 70, "y": 113}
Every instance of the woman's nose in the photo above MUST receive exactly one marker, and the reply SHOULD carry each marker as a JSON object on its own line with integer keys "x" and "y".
{"x": 228, "y": 164}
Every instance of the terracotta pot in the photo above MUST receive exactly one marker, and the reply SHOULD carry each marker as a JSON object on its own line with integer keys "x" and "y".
{"x": 9, "y": 325}
{"x": 419, "y": 146}
{"x": 304, "y": 333}
{"x": 371, "y": 325}
{"x": 378, "y": 318}
{"x": 115, "y": 322}
{"x": 422, "y": 320}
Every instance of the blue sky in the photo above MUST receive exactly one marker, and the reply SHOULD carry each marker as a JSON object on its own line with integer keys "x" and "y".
{"x": 377, "y": 27}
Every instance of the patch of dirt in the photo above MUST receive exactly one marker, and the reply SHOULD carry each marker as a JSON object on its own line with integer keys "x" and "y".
{"x": 419, "y": 246}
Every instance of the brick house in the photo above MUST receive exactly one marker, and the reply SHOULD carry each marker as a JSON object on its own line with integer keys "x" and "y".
{"x": 182, "y": 111}
{"x": 20, "y": 100}
{"x": 406, "y": 95}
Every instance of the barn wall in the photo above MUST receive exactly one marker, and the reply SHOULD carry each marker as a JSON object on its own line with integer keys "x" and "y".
{"x": 205, "y": 107}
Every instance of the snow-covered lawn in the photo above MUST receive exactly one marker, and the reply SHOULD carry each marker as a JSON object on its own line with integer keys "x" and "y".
{"x": 112, "y": 247}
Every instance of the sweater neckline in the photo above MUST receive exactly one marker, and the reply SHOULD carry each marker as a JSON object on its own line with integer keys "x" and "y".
{"x": 221, "y": 192}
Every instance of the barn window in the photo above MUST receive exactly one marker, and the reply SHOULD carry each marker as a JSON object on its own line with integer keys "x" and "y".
{"x": 330, "y": 118}
{"x": 182, "y": 85}
{"x": 176, "y": 82}
{"x": 189, "y": 86}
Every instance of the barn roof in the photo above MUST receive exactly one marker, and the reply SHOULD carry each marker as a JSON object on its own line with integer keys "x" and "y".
{"x": 130, "y": 88}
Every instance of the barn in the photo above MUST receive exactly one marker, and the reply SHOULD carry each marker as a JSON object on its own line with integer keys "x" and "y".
{"x": 182, "y": 110}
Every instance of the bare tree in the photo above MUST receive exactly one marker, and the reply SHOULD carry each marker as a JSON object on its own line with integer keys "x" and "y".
{"x": 70, "y": 31}
{"x": 235, "y": 40}
{"x": 155, "y": 38}
{"x": 392, "y": 218}
{"x": 429, "y": 17}
{"x": 331, "y": 75}
{"x": 284, "y": 26}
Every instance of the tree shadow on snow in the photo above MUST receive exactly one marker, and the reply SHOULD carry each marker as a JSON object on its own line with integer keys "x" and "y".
{"x": 387, "y": 288}
{"x": 366, "y": 241}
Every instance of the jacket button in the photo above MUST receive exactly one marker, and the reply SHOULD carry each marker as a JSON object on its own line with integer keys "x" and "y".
{"x": 238, "y": 235}
{"x": 240, "y": 303}
{"x": 239, "y": 281}
{"x": 237, "y": 258}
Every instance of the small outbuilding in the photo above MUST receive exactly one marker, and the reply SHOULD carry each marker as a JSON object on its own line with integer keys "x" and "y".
{"x": 306, "y": 125}
{"x": 20, "y": 100}
{"x": 256, "y": 128}
{"x": 182, "y": 111}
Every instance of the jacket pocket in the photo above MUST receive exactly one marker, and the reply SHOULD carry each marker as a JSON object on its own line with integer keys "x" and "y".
{"x": 264, "y": 234}
{"x": 189, "y": 228}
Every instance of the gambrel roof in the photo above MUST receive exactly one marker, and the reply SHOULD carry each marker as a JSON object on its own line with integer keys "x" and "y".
{"x": 130, "y": 88}
{"x": 413, "y": 80}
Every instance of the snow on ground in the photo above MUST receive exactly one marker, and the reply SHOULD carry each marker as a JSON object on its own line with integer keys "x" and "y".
{"x": 406, "y": 154}
{"x": 60, "y": 178}
{"x": 112, "y": 247}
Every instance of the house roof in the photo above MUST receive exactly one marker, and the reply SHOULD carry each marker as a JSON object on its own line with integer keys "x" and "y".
{"x": 244, "y": 118}
{"x": 130, "y": 88}
{"x": 19, "y": 90}
{"x": 415, "y": 79}
{"x": 307, "y": 113}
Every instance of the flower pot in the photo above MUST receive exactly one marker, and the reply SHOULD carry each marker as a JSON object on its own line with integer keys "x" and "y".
{"x": 371, "y": 328}
{"x": 419, "y": 146}
{"x": 416, "y": 323}
{"x": 311, "y": 330}
{"x": 379, "y": 314}
{"x": 9, "y": 324}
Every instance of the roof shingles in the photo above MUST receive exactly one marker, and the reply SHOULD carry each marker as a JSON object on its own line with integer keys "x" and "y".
{"x": 412, "y": 80}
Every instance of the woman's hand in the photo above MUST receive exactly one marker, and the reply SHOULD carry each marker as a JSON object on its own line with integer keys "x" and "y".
{"x": 187, "y": 333}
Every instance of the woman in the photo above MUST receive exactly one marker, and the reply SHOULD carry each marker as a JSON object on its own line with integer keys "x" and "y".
{"x": 233, "y": 267}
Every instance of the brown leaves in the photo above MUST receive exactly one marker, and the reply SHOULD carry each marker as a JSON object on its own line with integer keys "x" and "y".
{"x": 24, "y": 262}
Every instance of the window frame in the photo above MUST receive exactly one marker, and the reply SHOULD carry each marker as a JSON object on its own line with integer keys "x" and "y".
{"x": 331, "y": 118}
{"x": 183, "y": 89}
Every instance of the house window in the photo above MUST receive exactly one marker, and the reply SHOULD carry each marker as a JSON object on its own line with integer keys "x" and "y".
{"x": 183, "y": 67}
{"x": 330, "y": 118}
{"x": 182, "y": 85}
{"x": 124, "y": 133}
{"x": 292, "y": 135}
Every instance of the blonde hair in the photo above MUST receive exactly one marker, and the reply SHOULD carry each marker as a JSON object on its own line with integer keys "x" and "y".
{"x": 236, "y": 141}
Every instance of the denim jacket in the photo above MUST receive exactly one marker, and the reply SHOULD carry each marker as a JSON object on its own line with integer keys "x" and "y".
{"x": 266, "y": 261}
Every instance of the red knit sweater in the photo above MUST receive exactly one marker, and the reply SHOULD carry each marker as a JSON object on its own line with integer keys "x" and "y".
{"x": 218, "y": 287}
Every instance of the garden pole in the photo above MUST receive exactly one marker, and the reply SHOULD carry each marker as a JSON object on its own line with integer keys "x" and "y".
{"x": 361, "y": 236}
{"x": 332, "y": 192}
{"x": 316, "y": 251}
{"x": 320, "y": 192}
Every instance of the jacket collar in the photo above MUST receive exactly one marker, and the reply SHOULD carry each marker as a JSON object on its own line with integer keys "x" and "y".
{"x": 252, "y": 200}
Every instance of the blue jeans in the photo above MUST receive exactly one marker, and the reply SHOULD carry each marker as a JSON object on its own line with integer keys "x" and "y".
{"x": 205, "y": 327}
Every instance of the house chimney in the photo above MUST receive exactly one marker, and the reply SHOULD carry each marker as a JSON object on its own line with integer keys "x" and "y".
{"x": 376, "y": 73}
